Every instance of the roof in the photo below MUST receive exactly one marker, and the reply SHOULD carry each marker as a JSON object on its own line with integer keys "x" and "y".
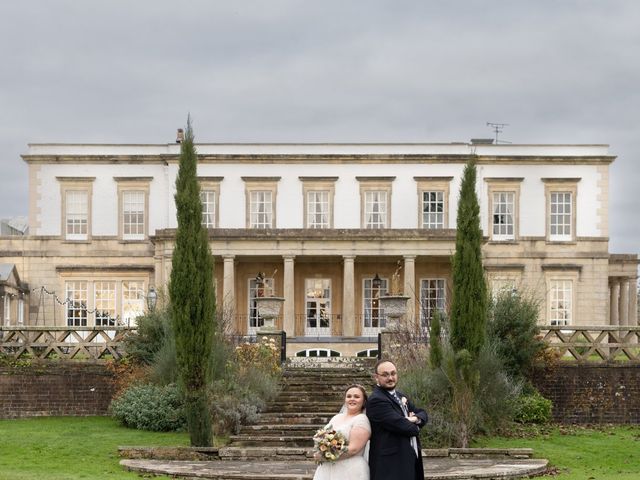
{"x": 460, "y": 148}
{"x": 5, "y": 271}
{"x": 20, "y": 224}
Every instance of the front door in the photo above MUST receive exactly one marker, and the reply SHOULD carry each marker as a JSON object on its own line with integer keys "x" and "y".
{"x": 318, "y": 307}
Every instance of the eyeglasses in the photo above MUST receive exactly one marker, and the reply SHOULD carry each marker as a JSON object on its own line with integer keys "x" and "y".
{"x": 387, "y": 374}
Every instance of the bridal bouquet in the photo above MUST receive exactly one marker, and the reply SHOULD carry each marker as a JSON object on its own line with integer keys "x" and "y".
{"x": 329, "y": 443}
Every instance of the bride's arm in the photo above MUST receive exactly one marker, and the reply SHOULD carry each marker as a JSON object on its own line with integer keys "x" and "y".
{"x": 358, "y": 438}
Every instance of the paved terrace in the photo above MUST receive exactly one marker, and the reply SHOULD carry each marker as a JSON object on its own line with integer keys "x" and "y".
{"x": 460, "y": 464}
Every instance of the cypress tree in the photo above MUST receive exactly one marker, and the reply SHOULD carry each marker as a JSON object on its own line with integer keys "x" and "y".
{"x": 192, "y": 296}
{"x": 469, "y": 303}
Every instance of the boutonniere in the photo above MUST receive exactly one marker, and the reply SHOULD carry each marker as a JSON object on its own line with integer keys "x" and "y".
{"x": 404, "y": 401}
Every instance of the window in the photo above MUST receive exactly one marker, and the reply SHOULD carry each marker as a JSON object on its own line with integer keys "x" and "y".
{"x": 317, "y": 209}
{"x": 433, "y": 209}
{"x": 261, "y": 200}
{"x": 503, "y": 211}
{"x": 561, "y": 207}
{"x": 560, "y": 302}
{"x": 76, "y": 300}
{"x": 132, "y": 302}
{"x": 374, "y": 318}
{"x": 105, "y": 303}
{"x": 560, "y": 216}
{"x": 432, "y": 298}
{"x": 375, "y": 209}
{"x": 318, "y": 352}
{"x": 261, "y": 204}
{"x": 133, "y": 194}
{"x": 75, "y": 193}
{"x": 7, "y": 309}
{"x": 208, "y": 199}
{"x": 375, "y": 197}
{"x": 77, "y": 214}
{"x": 433, "y": 194}
{"x": 503, "y": 207}
{"x": 20, "y": 311}
{"x": 133, "y": 215}
{"x": 318, "y": 201}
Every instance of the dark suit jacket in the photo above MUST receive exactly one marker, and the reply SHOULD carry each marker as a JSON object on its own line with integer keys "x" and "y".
{"x": 391, "y": 456}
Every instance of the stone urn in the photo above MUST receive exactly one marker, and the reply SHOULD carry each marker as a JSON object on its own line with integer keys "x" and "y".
{"x": 394, "y": 307}
{"x": 269, "y": 309}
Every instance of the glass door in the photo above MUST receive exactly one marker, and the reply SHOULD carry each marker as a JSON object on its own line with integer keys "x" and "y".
{"x": 318, "y": 307}
{"x": 373, "y": 315}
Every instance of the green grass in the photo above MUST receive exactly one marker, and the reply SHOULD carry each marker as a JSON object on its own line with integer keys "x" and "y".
{"x": 578, "y": 453}
{"x": 70, "y": 448}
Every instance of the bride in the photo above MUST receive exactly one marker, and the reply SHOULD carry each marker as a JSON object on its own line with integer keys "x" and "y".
{"x": 354, "y": 425}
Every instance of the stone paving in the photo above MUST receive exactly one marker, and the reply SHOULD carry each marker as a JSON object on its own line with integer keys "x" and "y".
{"x": 435, "y": 469}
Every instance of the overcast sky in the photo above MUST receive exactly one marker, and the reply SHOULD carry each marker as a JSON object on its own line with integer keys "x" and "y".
{"x": 324, "y": 71}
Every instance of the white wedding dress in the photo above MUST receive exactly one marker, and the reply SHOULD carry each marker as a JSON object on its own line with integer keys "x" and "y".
{"x": 350, "y": 468}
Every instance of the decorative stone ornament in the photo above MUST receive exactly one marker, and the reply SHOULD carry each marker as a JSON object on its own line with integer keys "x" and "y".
{"x": 268, "y": 309}
{"x": 394, "y": 307}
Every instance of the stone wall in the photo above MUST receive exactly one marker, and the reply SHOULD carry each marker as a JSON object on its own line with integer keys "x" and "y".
{"x": 592, "y": 394}
{"x": 55, "y": 389}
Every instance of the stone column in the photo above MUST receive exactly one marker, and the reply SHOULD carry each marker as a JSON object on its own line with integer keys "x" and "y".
{"x": 410, "y": 289}
{"x": 624, "y": 302}
{"x": 633, "y": 302}
{"x": 289, "y": 308}
{"x": 614, "y": 290}
{"x": 348, "y": 297}
{"x": 228, "y": 285}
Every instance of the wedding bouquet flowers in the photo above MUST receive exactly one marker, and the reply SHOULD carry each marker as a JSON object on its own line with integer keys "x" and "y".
{"x": 329, "y": 443}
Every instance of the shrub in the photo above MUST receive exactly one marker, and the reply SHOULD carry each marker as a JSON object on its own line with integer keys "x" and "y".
{"x": 532, "y": 408}
{"x": 462, "y": 397}
{"x": 513, "y": 328}
{"x": 249, "y": 382}
{"x": 150, "y": 407}
{"x": 151, "y": 334}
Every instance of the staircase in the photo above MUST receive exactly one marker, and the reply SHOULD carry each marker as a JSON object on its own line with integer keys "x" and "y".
{"x": 312, "y": 392}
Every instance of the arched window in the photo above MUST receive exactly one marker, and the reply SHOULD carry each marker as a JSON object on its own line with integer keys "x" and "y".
{"x": 370, "y": 352}
{"x": 317, "y": 352}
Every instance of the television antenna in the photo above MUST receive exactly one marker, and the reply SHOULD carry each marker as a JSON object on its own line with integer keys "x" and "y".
{"x": 497, "y": 129}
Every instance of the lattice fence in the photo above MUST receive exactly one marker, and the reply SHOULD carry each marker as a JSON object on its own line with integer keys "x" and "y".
{"x": 594, "y": 344}
{"x": 87, "y": 343}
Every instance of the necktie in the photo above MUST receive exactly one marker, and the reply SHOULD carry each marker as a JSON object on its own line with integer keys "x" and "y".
{"x": 414, "y": 440}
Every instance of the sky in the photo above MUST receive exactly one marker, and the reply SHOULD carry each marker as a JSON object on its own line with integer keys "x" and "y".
{"x": 123, "y": 71}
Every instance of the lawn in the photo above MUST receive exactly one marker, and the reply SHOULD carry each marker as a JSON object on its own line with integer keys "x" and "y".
{"x": 600, "y": 453}
{"x": 70, "y": 448}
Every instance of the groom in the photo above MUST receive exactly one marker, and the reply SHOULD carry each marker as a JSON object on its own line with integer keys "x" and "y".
{"x": 394, "y": 451}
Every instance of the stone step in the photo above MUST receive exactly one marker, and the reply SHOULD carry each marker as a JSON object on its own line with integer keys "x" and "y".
{"x": 288, "y": 440}
{"x": 294, "y": 418}
{"x": 265, "y": 453}
{"x": 303, "y": 407}
{"x": 275, "y": 428}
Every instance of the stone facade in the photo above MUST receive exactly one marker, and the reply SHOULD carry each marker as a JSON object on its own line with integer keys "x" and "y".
{"x": 320, "y": 222}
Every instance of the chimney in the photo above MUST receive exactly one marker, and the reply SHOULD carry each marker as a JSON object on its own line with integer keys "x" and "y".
{"x": 482, "y": 141}
{"x": 180, "y": 136}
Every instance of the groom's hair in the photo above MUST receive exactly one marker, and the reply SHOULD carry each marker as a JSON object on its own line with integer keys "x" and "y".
{"x": 380, "y": 362}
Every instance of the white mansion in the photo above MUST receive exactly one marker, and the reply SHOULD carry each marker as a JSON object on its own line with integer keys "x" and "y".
{"x": 320, "y": 221}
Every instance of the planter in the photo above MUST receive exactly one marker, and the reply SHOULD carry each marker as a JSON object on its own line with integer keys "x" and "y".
{"x": 268, "y": 309}
{"x": 394, "y": 307}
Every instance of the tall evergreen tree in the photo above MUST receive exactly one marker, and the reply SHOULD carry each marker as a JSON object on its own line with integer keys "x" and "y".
{"x": 469, "y": 303}
{"x": 192, "y": 296}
